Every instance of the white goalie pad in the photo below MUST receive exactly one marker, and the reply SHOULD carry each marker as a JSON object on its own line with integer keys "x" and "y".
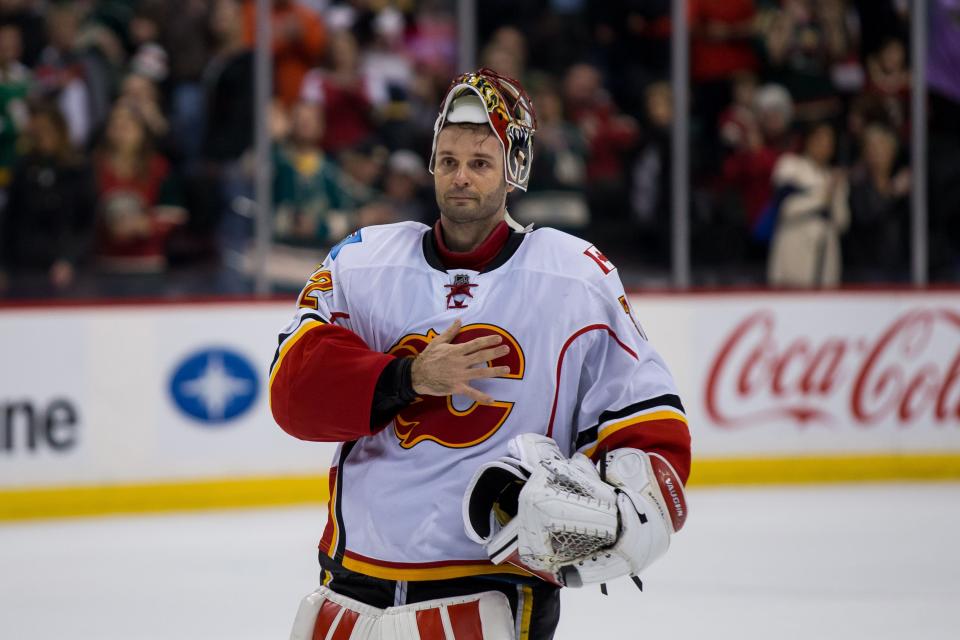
{"x": 541, "y": 511}
{"x": 325, "y": 615}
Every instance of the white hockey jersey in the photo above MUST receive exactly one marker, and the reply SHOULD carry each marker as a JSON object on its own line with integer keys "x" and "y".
{"x": 581, "y": 371}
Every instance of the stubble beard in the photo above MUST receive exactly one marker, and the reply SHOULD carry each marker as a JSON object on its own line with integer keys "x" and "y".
{"x": 473, "y": 211}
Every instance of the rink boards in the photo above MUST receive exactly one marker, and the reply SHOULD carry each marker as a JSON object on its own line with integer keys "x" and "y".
{"x": 143, "y": 407}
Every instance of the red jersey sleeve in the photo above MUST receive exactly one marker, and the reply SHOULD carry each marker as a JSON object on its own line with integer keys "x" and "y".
{"x": 322, "y": 383}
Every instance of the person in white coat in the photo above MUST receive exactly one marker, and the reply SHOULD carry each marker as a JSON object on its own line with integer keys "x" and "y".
{"x": 813, "y": 214}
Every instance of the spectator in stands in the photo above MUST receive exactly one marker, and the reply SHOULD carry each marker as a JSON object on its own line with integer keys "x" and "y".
{"x": 307, "y": 191}
{"x": 721, "y": 33}
{"x": 343, "y": 95}
{"x": 103, "y": 58}
{"x": 555, "y": 196}
{"x": 611, "y": 138}
{"x": 403, "y": 188}
{"x": 506, "y": 53}
{"x": 651, "y": 170}
{"x": 228, "y": 134}
{"x": 299, "y": 42}
{"x": 26, "y": 16}
{"x": 878, "y": 20}
{"x": 362, "y": 167}
{"x": 888, "y": 78}
{"x": 632, "y": 39}
{"x": 61, "y": 71}
{"x": 739, "y": 116}
{"x": 138, "y": 203}
{"x": 432, "y": 43}
{"x": 650, "y": 190}
{"x": 143, "y": 94}
{"x": 390, "y": 77}
{"x": 843, "y": 38}
{"x": 803, "y": 41}
{"x": 865, "y": 109}
{"x": 386, "y": 69}
{"x": 228, "y": 87}
{"x": 185, "y": 36}
{"x": 759, "y": 136}
{"x": 421, "y": 101}
{"x": 15, "y": 86}
{"x": 46, "y": 230}
{"x": 887, "y": 68}
{"x": 875, "y": 246}
{"x": 813, "y": 212}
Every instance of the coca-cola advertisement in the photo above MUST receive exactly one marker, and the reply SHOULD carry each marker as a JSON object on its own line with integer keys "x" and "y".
{"x": 814, "y": 374}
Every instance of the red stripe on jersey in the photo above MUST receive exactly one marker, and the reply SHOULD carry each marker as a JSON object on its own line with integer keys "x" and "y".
{"x": 670, "y": 438}
{"x": 465, "y": 620}
{"x": 563, "y": 351}
{"x": 328, "y": 613}
{"x": 347, "y": 623}
{"x": 430, "y": 625}
{"x": 323, "y": 387}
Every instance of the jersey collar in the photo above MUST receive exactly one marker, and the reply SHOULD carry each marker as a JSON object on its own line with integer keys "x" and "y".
{"x": 499, "y": 246}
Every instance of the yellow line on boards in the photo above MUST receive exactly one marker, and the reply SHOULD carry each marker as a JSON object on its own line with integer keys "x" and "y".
{"x": 91, "y": 500}
{"x": 819, "y": 469}
{"x": 58, "y": 502}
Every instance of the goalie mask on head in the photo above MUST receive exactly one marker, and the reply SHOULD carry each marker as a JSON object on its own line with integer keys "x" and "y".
{"x": 486, "y": 97}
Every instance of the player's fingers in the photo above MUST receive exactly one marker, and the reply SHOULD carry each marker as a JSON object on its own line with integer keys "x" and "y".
{"x": 473, "y": 394}
{"x": 487, "y": 354}
{"x": 487, "y": 372}
{"x": 480, "y": 343}
{"x": 450, "y": 332}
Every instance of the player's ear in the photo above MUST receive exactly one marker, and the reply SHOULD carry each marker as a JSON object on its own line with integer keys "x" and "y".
{"x": 510, "y": 187}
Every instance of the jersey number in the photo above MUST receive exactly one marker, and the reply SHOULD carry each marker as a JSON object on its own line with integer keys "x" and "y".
{"x": 435, "y": 418}
{"x": 320, "y": 282}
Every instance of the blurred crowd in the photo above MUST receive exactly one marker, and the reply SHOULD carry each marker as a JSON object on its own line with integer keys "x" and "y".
{"x": 127, "y": 127}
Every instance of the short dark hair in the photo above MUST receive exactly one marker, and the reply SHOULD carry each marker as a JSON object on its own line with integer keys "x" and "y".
{"x": 475, "y": 127}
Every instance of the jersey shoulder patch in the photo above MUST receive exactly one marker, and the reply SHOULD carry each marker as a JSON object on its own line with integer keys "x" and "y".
{"x": 366, "y": 245}
{"x": 571, "y": 255}
{"x": 356, "y": 236}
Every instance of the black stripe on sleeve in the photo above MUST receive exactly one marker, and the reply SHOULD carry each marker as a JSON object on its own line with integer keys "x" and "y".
{"x": 590, "y": 435}
{"x": 283, "y": 336}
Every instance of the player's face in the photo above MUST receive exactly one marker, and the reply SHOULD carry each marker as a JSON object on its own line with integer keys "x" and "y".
{"x": 468, "y": 174}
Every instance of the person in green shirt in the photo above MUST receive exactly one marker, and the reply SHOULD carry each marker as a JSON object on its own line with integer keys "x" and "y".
{"x": 311, "y": 206}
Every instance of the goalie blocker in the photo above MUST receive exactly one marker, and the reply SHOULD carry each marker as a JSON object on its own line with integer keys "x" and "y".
{"x": 559, "y": 519}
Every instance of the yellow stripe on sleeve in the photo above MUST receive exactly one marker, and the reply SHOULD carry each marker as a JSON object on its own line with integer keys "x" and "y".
{"x": 307, "y": 325}
{"x": 614, "y": 427}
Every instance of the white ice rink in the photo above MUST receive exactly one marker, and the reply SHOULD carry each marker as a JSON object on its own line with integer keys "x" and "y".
{"x": 875, "y": 562}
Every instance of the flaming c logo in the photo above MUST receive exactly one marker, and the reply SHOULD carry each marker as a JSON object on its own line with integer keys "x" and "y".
{"x": 435, "y": 418}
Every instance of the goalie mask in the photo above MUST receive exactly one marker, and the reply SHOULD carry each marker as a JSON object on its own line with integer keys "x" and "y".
{"x": 486, "y": 97}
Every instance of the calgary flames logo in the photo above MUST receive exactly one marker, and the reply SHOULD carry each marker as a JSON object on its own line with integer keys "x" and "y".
{"x": 436, "y": 418}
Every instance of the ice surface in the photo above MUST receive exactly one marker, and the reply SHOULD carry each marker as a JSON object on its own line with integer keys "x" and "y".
{"x": 832, "y": 562}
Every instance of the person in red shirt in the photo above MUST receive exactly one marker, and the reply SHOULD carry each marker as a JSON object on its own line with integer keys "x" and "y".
{"x": 136, "y": 209}
{"x": 342, "y": 93}
{"x": 766, "y": 136}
